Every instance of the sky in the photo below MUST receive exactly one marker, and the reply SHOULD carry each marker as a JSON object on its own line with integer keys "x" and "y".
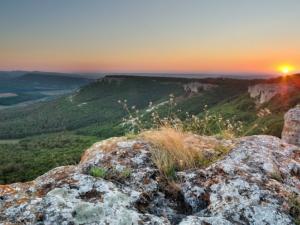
{"x": 190, "y": 36}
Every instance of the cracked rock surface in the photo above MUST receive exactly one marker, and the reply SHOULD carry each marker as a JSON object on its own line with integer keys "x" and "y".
{"x": 251, "y": 185}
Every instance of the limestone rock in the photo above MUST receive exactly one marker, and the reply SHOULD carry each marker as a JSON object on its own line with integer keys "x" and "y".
{"x": 251, "y": 185}
{"x": 197, "y": 87}
{"x": 263, "y": 93}
{"x": 291, "y": 129}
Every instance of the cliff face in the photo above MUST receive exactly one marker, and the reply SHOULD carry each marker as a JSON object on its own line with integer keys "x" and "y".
{"x": 265, "y": 92}
{"x": 197, "y": 87}
{"x": 291, "y": 130}
{"x": 251, "y": 185}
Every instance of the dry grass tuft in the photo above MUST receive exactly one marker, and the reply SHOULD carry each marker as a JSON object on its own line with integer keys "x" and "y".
{"x": 172, "y": 152}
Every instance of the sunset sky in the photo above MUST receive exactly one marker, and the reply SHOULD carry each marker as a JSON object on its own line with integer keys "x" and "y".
{"x": 190, "y": 36}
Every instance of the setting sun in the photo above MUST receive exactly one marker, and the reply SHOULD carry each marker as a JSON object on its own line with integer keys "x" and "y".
{"x": 286, "y": 69}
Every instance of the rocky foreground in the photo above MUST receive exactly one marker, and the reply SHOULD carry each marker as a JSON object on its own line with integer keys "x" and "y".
{"x": 255, "y": 183}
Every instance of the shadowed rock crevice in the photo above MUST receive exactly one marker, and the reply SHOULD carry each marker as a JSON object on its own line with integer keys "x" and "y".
{"x": 168, "y": 202}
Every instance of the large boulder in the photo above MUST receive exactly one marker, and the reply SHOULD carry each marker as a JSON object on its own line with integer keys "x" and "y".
{"x": 253, "y": 184}
{"x": 291, "y": 129}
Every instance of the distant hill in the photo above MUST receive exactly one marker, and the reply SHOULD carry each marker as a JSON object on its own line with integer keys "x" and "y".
{"x": 51, "y": 80}
{"x": 36, "y": 85}
{"x": 247, "y": 76}
{"x": 291, "y": 79}
{"x": 32, "y": 81}
{"x": 4, "y": 75}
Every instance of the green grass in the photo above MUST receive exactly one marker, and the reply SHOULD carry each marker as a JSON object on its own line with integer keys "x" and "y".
{"x": 111, "y": 173}
{"x": 98, "y": 172}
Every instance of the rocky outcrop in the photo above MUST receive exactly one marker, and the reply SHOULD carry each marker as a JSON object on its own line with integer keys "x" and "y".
{"x": 263, "y": 93}
{"x": 251, "y": 185}
{"x": 291, "y": 129}
{"x": 112, "y": 79}
{"x": 197, "y": 87}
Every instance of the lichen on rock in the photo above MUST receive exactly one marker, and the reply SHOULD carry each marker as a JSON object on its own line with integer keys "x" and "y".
{"x": 251, "y": 185}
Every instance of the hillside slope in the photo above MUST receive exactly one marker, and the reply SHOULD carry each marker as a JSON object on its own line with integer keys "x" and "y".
{"x": 40, "y": 81}
{"x": 51, "y": 80}
{"x": 95, "y": 104}
{"x": 267, "y": 117}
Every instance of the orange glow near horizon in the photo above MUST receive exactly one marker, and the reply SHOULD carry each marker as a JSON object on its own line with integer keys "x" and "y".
{"x": 237, "y": 37}
{"x": 179, "y": 62}
{"x": 176, "y": 57}
{"x": 286, "y": 69}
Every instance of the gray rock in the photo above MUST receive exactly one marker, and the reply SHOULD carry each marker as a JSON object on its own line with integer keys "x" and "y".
{"x": 251, "y": 185}
{"x": 291, "y": 129}
{"x": 197, "y": 87}
{"x": 263, "y": 93}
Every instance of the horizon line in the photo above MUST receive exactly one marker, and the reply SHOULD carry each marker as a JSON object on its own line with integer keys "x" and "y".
{"x": 149, "y": 72}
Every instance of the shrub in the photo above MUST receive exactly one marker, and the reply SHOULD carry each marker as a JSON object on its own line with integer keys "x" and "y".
{"x": 154, "y": 117}
{"x": 98, "y": 172}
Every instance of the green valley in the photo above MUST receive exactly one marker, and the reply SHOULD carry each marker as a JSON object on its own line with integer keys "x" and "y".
{"x": 55, "y": 132}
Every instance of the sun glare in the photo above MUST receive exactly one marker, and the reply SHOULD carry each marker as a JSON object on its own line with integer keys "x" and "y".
{"x": 285, "y": 69}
